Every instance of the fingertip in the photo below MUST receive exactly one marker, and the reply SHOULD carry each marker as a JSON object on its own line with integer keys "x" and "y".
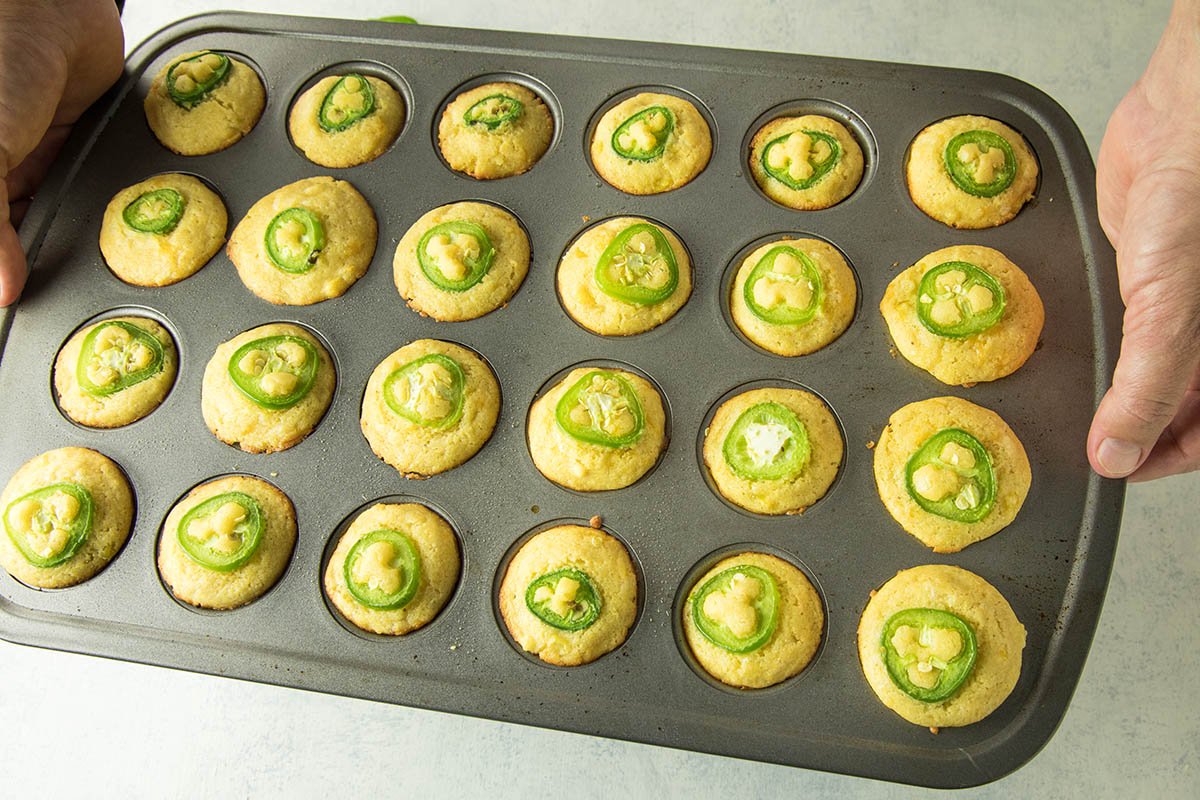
{"x": 13, "y": 269}
{"x": 1116, "y": 458}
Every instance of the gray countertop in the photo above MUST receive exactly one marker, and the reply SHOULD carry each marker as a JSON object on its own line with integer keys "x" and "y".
{"x": 78, "y": 725}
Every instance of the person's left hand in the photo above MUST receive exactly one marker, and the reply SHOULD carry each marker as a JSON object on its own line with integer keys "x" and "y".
{"x": 56, "y": 58}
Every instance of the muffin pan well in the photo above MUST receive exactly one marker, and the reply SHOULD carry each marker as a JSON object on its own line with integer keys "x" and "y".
{"x": 1052, "y": 564}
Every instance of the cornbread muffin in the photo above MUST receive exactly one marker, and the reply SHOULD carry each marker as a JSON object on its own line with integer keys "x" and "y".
{"x": 950, "y": 472}
{"x": 67, "y": 513}
{"x": 202, "y": 102}
{"x": 971, "y": 172}
{"x": 624, "y": 276}
{"x": 346, "y": 120}
{"x": 923, "y": 595}
{"x": 569, "y": 595}
{"x": 793, "y": 296}
{"x": 651, "y": 143}
{"x": 129, "y": 367}
{"x": 305, "y": 242}
{"x": 773, "y": 451}
{"x": 807, "y": 162}
{"x": 756, "y": 632}
{"x": 162, "y": 230}
{"x": 975, "y": 318}
{"x": 227, "y": 542}
{"x": 429, "y": 407}
{"x": 265, "y": 389}
{"x": 495, "y": 131}
{"x": 460, "y": 261}
{"x": 597, "y": 429}
{"x": 402, "y": 574}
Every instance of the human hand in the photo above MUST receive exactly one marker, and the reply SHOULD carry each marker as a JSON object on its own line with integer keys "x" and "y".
{"x": 56, "y": 58}
{"x": 1148, "y": 187}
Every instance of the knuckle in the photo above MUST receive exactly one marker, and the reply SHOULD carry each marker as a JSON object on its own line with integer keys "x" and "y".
{"x": 1149, "y": 409}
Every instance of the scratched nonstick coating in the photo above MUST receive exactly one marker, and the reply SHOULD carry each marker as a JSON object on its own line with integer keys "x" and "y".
{"x": 1052, "y": 563}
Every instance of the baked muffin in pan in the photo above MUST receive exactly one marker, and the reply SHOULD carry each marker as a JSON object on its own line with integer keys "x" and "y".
{"x": 346, "y": 120}
{"x": 115, "y": 371}
{"x": 597, "y": 429}
{"x": 394, "y": 568}
{"x": 204, "y": 101}
{"x": 569, "y": 595}
{"x": 940, "y": 646}
{"x": 753, "y": 620}
{"x": 495, "y": 130}
{"x": 950, "y": 472}
{"x": 67, "y": 513}
{"x": 163, "y": 229}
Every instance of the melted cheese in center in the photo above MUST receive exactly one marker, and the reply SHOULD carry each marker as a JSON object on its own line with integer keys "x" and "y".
{"x": 734, "y": 606}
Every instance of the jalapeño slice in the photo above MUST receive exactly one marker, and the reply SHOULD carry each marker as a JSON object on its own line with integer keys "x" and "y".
{"x": 223, "y": 532}
{"x": 951, "y": 476}
{"x": 958, "y": 299}
{"x": 643, "y": 137}
{"x": 981, "y": 163}
{"x": 737, "y": 609}
{"x": 493, "y": 111}
{"x": 767, "y": 442}
{"x": 601, "y": 408}
{"x": 800, "y": 159}
{"x": 427, "y": 391}
{"x": 565, "y": 599}
{"x": 638, "y": 266}
{"x": 784, "y": 288}
{"x": 929, "y": 653}
{"x": 346, "y": 102}
{"x": 50, "y": 524}
{"x": 190, "y": 81}
{"x": 275, "y": 372}
{"x": 454, "y": 256}
{"x": 383, "y": 570}
{"x": 156, "y": 211}
{"x": 295, "y": 239}
{"x": 116, "y": 355}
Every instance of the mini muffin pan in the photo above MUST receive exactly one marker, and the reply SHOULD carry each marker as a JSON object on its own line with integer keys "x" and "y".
{"x": 1052, "y": 564}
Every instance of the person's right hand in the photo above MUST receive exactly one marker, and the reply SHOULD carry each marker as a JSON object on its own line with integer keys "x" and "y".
{"x": 56, "y": 58}
{"x": 1148, "y": 186}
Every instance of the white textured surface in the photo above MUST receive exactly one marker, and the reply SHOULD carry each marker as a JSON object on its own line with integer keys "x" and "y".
{"x": 74, "y": 725}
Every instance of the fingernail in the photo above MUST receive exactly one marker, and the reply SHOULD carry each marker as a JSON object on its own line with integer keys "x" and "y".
{"x": 1118, "y": 457}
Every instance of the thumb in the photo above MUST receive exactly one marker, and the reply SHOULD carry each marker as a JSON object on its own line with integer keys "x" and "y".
{"x": 12, "y": 257}
{"x": 1159, "y": 356}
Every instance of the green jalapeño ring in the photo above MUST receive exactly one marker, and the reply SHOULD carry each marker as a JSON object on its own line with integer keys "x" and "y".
{"x": 958, "y": 299}
{"x": 493, "y": 111}
{"x": 643, "y": 137}
{"x": 565, "y": 599}
{"x": 601, "y": 408}
{"x": 275, "y": 372}
{"x": 737, "y": 609}
{"x": 951, "y": 476}
{"x": 346, "y": 102}
{"x": 767, "y": 442}
{"x": 929, "y": 653}
{"x": 638, "y": 266}
{"x": 223, "y": 532}
{"x": 427, "y": 391}
{"x": 383, "y": 570}
{"x": 981, "y": 163}
{"x": 50, "y": 524}
{"x": 190, "y": 81}
{"x": 455, "y": 255}
{"x": 784, "y": 288}
{"x": 294, "y": 239}
{"x": 116, "y": 355}
{"x": 156, "y": 211}
{"x": 801, "y": 159}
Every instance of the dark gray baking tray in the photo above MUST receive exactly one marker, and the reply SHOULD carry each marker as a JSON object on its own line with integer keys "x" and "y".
{"x": 1052, "y": 564}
